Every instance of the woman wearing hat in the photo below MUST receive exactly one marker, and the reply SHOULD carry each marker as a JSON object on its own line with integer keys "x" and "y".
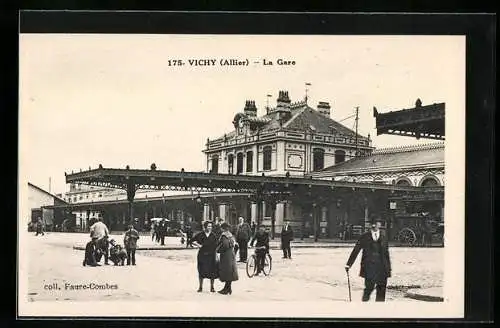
{"x": 228, "y": 271}
{"x": 207, "y": 266}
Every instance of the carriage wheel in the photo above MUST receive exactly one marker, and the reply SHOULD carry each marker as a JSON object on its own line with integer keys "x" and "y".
{"x": 267, "y": 265}
{"x": 407, "y": 237}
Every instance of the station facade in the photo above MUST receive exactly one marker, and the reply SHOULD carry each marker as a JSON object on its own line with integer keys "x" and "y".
{"x": 289, "y": 139}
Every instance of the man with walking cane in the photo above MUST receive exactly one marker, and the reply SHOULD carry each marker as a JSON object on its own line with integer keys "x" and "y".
{"x": 375, "y": 262}
{"x": 348, "y": 283}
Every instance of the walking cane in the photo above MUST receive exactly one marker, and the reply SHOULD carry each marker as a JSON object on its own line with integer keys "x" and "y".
{"x": 348, "y": 283}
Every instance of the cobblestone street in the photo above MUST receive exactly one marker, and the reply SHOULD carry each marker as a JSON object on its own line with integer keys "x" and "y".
{"x": 312, "y": 274}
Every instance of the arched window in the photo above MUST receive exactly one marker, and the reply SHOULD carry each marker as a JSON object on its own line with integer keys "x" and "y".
{"x": 339, "y": 156}
{"x": 215, "y": 164}
{"x": 249, "y": 161}
{"x": 267, "y": 154}
{"x": 239, "y": 163}
{"x": 230, "y": 163}
{"x": 429, "y": 182}
{"x": 403, "y": 182}
{"x": 318, "y": 159}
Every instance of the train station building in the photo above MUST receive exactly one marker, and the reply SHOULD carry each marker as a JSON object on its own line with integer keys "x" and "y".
{"x": 291, "y": 140}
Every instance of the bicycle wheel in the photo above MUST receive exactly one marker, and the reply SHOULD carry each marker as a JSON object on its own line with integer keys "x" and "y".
{"x": 267, "y": 264}
{"x": 251, "y": 268}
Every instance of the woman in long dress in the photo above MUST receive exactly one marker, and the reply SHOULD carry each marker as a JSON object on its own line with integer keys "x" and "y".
{"x": 207, "y": 265}
{"x": 228, "y": 271}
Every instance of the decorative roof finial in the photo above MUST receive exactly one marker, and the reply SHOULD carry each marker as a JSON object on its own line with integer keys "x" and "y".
{"x": 418, "y": 103}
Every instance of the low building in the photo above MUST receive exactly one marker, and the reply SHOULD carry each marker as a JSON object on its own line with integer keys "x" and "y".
{"x": 38, "y": 198}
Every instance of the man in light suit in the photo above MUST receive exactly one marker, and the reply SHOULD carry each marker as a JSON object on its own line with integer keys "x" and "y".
{"x": 375, "y": 262}
{"x": 286, "y": 238}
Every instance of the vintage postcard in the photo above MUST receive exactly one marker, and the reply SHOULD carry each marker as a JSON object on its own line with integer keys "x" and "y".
{"x": 289, "y": 176}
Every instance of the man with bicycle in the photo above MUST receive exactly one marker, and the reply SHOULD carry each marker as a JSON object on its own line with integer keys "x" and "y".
{"x": 261, "y": 247}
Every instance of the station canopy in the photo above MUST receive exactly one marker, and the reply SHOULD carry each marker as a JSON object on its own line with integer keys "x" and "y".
{"x": 212, "y": 182}
{"x": 419, "y": 122}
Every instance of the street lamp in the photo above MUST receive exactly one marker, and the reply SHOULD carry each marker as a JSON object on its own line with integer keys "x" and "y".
{"x": 392, "y": 207}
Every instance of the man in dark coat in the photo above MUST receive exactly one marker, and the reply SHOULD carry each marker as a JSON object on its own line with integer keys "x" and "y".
{"x": 242, "y": 238}
{"x": 375, "y": 262}
{"x": 162, "y": 231}
{"x": 286, "y": 238}
{"x": 262, "y": 239}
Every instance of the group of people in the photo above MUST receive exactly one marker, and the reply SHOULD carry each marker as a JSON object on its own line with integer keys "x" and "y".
{"x": 159, "y": 231}
{"x": 100, "y": 246}
{"x": 217, "y": 255}
{"x": 218, "y": 247}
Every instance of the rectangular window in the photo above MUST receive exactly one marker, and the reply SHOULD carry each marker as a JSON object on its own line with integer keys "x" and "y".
{"x": 249, "y": 161}
{"x": 267, "y": 154}
{"x": 269, "y": 210}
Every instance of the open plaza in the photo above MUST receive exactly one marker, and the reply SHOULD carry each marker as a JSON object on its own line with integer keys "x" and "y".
{"x": 315, "y": 273}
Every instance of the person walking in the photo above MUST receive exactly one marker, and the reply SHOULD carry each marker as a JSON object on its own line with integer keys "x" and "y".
{"x": 242, "y": 237}
{"x": 207, "y": 265}
{"x": 130, "y": 242}
{"x": 101, "y": 232}
{"x": 228, "y": 271}
{"x": 286, "y": 238}
{"x": 375, "y": 262}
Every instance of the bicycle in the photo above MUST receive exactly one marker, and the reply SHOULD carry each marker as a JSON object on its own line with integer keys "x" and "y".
{"x": 252, "y": 261}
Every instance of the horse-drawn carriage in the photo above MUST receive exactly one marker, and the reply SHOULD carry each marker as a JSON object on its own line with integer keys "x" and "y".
{"x": 419, "y": 231}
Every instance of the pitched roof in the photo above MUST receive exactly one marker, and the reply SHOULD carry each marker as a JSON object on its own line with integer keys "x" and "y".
{"x": 387, "y": 159}
{"x": 46, "y": 192}
{"x": 302, "y": 118}
{"x": 309, "y": 117}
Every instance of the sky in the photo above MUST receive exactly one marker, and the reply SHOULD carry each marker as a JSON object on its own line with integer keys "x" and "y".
{"x": 86, "y": 100}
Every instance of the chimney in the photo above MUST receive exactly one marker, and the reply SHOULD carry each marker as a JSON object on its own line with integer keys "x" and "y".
{"x": 283, "y": 99}
{"x": 324, "y": 108}
{"x": 283, "y": 107}
{"x": 250, "y": 108}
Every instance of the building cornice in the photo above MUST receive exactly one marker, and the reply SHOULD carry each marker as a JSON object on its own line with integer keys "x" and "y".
{"x": 386, "y": 169}
{"x": 290, "y": 135}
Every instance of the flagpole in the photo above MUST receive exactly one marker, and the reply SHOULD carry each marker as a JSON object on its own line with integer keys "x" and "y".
{"x": 307, "y": 84}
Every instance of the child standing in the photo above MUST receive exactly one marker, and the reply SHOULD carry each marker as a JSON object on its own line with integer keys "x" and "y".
{"x": 130, "y": 242}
